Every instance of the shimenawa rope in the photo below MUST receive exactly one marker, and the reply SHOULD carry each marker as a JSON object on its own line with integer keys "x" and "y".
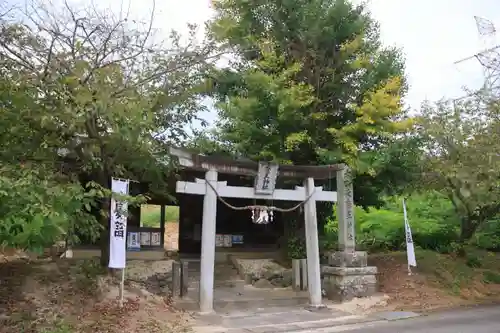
{"x": 260, "y": 207}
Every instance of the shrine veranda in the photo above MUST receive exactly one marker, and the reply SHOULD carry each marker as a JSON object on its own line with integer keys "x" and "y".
{"x": 346, "y": 275}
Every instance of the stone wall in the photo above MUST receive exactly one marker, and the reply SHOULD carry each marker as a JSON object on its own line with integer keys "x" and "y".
{"x": 263, "y": 273}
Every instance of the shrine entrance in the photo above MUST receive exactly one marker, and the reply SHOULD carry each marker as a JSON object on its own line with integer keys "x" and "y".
{"x": 266, "y": 174}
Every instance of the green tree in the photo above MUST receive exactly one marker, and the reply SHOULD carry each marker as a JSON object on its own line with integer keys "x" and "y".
{"x": 103, "y": 97}
{"x": 40, "y": 203}
{"x": 38, "y": 207}
{"x": 310, "y": 84}
{"x": 462, "y": 141}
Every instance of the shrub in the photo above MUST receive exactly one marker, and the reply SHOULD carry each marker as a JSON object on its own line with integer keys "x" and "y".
{"x": 488, "y": 236}
{"x": 473, "y": 261}
{"x": 296, "y": 248}
{"x": 38, "y": 207}
{"x": 491, "y": 277}
{"x": 442, "y": 239}
{"x": 432, "y": 219}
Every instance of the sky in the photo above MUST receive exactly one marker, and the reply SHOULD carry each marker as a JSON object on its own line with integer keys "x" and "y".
{"x": 433, "y": 34}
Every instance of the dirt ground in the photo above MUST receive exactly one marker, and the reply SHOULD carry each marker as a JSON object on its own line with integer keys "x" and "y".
{"x": 78, "y": 297}
{"x": 172, "y": 236}
{"x": 438, "y": 282}
{"x": 407, "y": 292}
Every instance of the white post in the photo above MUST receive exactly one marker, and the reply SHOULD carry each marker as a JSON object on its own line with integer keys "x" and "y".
{"x": 345, "y": 210}
{"x": 312, "y": 246}
{"x": 208, "y": 244}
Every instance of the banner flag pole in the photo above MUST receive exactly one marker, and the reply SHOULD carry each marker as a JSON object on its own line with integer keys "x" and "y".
{"x": 118, "y": 230}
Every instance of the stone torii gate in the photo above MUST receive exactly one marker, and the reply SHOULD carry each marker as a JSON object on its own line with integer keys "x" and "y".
{"x": 211, "y": 189}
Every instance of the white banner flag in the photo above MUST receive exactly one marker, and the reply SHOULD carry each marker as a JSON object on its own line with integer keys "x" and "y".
{"x": 410, "y": 250}
{"x": 118, "y": 225}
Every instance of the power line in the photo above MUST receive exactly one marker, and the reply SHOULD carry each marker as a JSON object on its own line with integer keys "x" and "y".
{"x": 489, "y": 58}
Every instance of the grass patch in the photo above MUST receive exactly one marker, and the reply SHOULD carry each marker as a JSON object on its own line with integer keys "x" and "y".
{"x": 491, "y": 277}
{"x": 151, "y": 215}
{"x": 59, "y": 327}
{"x": 456, "y": 274}
{"x": 459, "y": 276}
{"x": 449, "y": 272}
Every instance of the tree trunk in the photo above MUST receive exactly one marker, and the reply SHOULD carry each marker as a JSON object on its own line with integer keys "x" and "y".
{"x": 105, "y": 182}
{"x": 104, "y": 239}
{"x": 468, "y": 229}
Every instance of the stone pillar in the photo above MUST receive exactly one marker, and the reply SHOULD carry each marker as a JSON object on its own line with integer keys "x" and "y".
{"x": 347, "y": 274}
{"x": 312, "y": 246}
{"x": 184, "y": 278}
{"x": 296, "y": 280}
{"x": 208, "y": 244}
{"x": 176, "y": 279}
{"x": 304, "y": 274}
{"x": 345, "y": 210}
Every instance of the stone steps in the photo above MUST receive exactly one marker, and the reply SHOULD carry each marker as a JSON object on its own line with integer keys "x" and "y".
{"x": 231, "y": 292}
{"x": 243, "y": 302}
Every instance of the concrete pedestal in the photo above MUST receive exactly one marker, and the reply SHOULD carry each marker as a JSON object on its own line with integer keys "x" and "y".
{"x": 345, "y": 283}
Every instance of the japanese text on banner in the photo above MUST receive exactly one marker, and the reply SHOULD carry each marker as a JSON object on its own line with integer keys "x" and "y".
{"x": 118, "y": 225}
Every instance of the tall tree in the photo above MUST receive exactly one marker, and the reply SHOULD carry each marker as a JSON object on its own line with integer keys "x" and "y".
{"x": 310, "y": 83}
{"x": 39, "y": 202}
{"x": 105, "y": 96}
{"x": 462, "y": 141}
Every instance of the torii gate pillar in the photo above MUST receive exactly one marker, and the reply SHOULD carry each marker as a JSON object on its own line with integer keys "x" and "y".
{"x": 312, "y": 246}
{"x": 208, "y": 244}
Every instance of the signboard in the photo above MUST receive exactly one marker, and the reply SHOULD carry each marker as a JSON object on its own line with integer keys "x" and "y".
{"x": 228, "y": 241}
{"x": 133, "y": 243}
{"x": 118, "y": 225}
{"x": 265, "y": 182}
{"x": 237, "y": 239}
{"x": 219, "y": 240}
{"x": 145, "y": 238}
{"x": 223, "y": 240}
{"x": 155, "y": 239}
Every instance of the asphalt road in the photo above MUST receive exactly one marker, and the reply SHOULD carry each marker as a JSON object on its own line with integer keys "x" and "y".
{"x": 485, "y": 319}
{"x": 480, "y": 319}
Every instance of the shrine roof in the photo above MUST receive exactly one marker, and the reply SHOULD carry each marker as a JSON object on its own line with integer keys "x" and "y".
{"x": 194, "y": 161}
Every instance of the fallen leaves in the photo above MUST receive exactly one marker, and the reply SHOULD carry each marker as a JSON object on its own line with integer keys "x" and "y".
{"x": 109, "y": 317}
{"x": 441, "y": 285}
{"x": 72, "y": 297}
